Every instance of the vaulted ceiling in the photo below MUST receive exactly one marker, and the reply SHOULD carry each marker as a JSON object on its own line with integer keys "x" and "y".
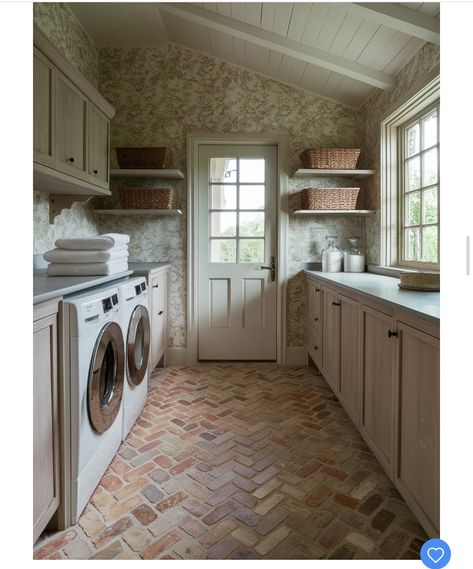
{"x": 342, "y": 51}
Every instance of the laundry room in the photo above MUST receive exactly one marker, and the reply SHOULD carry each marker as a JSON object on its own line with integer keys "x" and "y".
{"x": 236, "y": 254}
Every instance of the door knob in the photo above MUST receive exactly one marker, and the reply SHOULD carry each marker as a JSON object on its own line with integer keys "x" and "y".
{"x": 272, "y": 268}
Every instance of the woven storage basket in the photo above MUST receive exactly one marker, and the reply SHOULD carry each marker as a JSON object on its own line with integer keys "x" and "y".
{"x": 330, "y": 158}
{"x": 153, "y": 158}
{"x": 146, "y": 198}
{"x": 329, "y": 198}
{"x": 420, "y": 281}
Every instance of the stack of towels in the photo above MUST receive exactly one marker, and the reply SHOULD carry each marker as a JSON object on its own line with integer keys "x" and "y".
{"x": 102, "y": 255}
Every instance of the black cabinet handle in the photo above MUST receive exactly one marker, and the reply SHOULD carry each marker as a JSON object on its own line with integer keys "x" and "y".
{"x": 335, "y": 304}
{"x": 70, "y": 160}
{"x": 391, "y": 333}
{"x": 317, "y": 290}
{"x": 316, "y": 319}
{"x": 316, "y": 347}
{"x": 156, "y": 286}
{"x": 160, "y": 312}
{"x": 96, "y": 172}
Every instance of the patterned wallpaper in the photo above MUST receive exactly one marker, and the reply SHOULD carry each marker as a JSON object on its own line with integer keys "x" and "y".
{"x": 373, "y": 111}
{"x": 161, "y": 94}
{"x": 61, "y": 27}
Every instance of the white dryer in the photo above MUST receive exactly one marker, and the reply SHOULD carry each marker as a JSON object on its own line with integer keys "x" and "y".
{"x": 133, "y": 294}
{"x": 94, "y": 365}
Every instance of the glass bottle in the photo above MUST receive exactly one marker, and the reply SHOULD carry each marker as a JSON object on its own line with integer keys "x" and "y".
{"x": 332, "y": 256}
{"x": 354, "y": 258}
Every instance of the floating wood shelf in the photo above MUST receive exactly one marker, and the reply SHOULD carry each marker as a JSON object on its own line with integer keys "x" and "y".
{"x": 334, "y": 211}
{"x": 138, "y": 211}
{"x": 154, "y": 173}
{"x": 313, "y": 172}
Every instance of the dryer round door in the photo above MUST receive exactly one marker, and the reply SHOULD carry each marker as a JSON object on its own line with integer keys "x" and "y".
{"x": 106, "y": 376}
{"x": 137, "y": 345}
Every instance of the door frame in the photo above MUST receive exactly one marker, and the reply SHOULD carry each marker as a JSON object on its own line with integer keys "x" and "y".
{"x": 194, "y": 141}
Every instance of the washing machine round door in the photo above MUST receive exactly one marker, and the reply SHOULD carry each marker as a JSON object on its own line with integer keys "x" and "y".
{"x": 106, "y": 376}
{"x": 137, "y": 345}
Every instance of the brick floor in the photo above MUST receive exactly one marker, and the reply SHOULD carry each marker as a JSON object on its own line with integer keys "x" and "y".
{"x": 241, "y": 461}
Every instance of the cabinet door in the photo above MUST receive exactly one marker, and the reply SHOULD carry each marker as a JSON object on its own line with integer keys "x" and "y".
{"x": 418, "y": 464}
{"x": 377, "y": 421}
{"x": 159, "y": 318}
{"x": 45, "y": 424}
{"x": 313, "y": 322}
{"x": 349, "y": 390}
{"x": 43, "y": 109}
{"x": 71, "y": 112}
{"x": 314, "y": 303}
{"x": 98, "y": 145}
{"x": 330, "y": 337}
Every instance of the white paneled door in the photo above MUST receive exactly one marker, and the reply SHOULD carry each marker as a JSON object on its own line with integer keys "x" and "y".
{"x": 237, "y": 240}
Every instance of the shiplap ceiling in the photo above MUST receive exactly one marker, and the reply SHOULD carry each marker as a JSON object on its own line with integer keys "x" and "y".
{"x": 342, "y": 51}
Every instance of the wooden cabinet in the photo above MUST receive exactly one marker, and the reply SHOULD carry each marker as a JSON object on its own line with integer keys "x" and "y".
{"x": 45, "y": 416}
{"x": 383, "y": 365}
{"x": 418, "y": 432}
{"x": 378, "y": 405}
{"x": 158, "y": 317}
{"x": 71, "y": 113}
{"x": 43, "y": 109}
{"x": 99, "y": 147}
{"x": 71, "y": 123}
{"x": 314, "y": 323}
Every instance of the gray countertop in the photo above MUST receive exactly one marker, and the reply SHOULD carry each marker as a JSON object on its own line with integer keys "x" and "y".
{"x": 46, "y": 288}
{"x": 142, "y": 266}
{"x": 380, "y": 287}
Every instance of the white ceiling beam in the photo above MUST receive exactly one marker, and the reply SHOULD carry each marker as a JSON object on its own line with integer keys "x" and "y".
{"x": 280, "y": 44}
{"x": 401, "y": 19}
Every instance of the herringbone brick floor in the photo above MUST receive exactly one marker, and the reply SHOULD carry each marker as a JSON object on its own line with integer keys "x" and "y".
{"x": 241, "y": 461}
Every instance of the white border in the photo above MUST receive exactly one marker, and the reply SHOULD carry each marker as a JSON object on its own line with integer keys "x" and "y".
{"x": 194, "y": 140}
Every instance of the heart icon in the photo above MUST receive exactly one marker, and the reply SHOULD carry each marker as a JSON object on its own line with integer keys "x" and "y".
{"x": 435, "y": 554}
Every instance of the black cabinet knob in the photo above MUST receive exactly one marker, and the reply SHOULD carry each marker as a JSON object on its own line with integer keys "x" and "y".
{"x": 316, "y": 347}
{"x": 335, "y": 304}
{"x": 160, "y": 312}
{"x": 71, "y": 160}
{"x": 96, "y": 172}
{"x": 317, "y": 290}
{"x": 391, "y": 333}
{"x": 316, "y": 319}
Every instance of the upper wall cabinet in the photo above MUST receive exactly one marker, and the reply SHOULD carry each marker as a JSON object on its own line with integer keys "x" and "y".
{"x": 71, "y": 127}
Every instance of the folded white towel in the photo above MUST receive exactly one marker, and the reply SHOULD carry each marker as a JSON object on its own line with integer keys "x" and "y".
{"x": 68, "y": 269}
{"x": 79, "y": 256}
{"x": 101, "y": 242}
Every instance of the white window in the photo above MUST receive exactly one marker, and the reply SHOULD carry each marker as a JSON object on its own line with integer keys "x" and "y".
{"x": 419, "y": 190}
{"x": 410, "y": 182}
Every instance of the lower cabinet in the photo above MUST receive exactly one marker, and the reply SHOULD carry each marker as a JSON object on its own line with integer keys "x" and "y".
{"x": 45, "y": 416}
{"x": 383, "y": 365}
{"x": 158, "y": 317}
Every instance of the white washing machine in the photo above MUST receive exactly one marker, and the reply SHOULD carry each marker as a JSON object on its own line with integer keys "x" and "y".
{"x": 94, "y": 366}
{"x": 133, "y": 294}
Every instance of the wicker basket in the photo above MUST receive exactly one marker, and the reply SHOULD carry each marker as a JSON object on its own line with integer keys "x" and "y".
{"x": 153, "y": 158}
{"x": 146, "y": 198}
{"x": 329, "y": 198}
{"x": 330, "y": 158}
{"x": 420, "y": 281}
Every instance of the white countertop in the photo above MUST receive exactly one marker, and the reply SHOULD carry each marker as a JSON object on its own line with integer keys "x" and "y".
{"x": 46, "y": 288}
{"x": 380, "y": 287}
{"x": 143, "y": 266}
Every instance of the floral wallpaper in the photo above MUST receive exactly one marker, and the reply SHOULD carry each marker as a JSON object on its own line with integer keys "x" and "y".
{"x": 161, "y": 94}
{"x": 373, "y": 111}
{"x": 61, "y": 27}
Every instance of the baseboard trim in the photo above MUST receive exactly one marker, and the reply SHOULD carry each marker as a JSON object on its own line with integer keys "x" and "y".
{"x": 176, "y": 357}
{"x": 296, "y": 355}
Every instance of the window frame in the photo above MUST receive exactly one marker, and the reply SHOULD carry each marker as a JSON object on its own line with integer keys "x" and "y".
{"x": 416, "y": 102}
{"x": 401, "y": 189}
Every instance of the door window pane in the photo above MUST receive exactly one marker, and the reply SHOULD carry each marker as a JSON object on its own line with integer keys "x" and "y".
{"x": 413, "y": 138}
{"x": 413, "y": 174}
{"x": 429, "y": 130}
{"x": 413, "y": 209}
{"x": 251, "y": 250}
{"x": 223, "y": 197}
{"x": 430, "y": 167}
{"x": 223, "y": 251}
{"x": 223, "y": 170}
{"x": 429, "y": 244}
{"x": 412, "y": 244}
{"x": 430, "y": 206}
{"x": 222, "y": 224}
{"x": 252, "y": 170}
{"x": 252, "y": 197}
{"x": 252, "y": 224}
